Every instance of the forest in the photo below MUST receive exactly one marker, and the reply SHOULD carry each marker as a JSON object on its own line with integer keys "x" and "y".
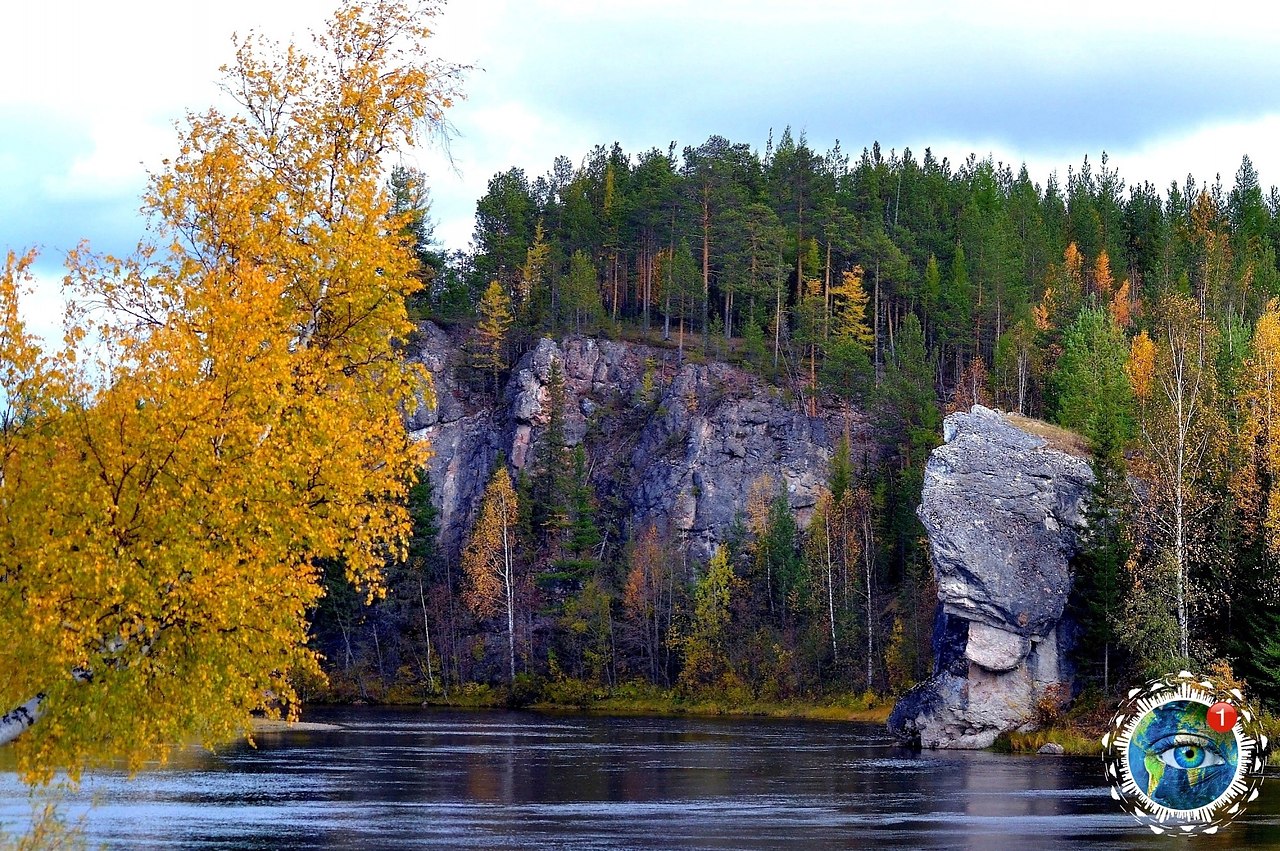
{"x": 905, "y": 287}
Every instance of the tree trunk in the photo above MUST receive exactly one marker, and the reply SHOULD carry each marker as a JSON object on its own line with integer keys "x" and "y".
{"x": 508, "y": 583}
{"x": 706, "y": 259}
{"x": 813, "y": 379}
{"x": 831, "y": 591}
{"x": 646, "y": 273}
{"x": 1022, "y": 380}
{"x": 426, "y": 628}
{"x": 875, "y": 333}
{"x": 1106, "y": 668}
{"x": 615, "y": 286}
{"x": 868, "y": 560}
{"x": 777, "y": 324}
{"x": 826, "y": 296}
{"x": 18, "y": 720}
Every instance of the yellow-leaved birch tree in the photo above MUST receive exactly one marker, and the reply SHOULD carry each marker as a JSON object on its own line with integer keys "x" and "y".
{"x": 225, "y": 413}
{"x": 1174, "y": 379}
{"x": 489, "y": 560}
{"x": 1259, "y": 433}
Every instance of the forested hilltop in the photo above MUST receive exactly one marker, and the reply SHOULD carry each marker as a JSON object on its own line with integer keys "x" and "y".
{"x": 896, "y": 286}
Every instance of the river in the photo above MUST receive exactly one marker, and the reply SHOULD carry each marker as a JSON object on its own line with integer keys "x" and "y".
{"x": 394, "y": 778}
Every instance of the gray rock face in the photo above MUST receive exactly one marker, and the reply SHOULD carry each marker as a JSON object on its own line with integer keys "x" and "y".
{"x": 674, "y": 445}
{"x": 1003, "y": 509}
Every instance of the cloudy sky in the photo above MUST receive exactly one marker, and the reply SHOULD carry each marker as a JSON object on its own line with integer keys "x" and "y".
{"x": 89, "y": 91}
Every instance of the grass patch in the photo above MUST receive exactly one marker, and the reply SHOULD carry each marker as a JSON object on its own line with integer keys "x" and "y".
{"x": 1074, "y": 742}
{"x": 645, "y": 699}
{"x": 1057, "y": 437}
{"x": 470, "y": 696}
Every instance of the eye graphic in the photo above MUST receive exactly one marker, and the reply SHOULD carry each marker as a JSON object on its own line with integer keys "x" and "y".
{"x": 1188, "y": 753}
{"x": 1184, "y": 754}
{"x": 1177, "y": 760}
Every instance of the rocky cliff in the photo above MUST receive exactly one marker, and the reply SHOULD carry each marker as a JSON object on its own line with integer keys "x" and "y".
{"x": 1003, "y": 504}
{"x": 678, "y": 445}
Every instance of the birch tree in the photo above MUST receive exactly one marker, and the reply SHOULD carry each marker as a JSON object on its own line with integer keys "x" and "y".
{"x": 1259, "y": 435}
{"x": 646, "y": 600}
{"x": 168, "y": 491}
{"x": 490, "y": 560}
{"x": 1174, "y": 380}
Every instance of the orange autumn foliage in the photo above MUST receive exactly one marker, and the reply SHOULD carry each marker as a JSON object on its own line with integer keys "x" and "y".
{"x": 1141, "y": 365}
{"x": 1259, "y": 431}
{"x": 1121, "y": 307}
{"x": 1102, "y": 280}
{"x": 226, "y": 413}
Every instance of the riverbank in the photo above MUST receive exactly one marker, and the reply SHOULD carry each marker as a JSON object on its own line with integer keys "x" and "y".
{"x": 853, "y": 708}
{"x": 642, "y": 699}
{"x": 1079, "y": 730}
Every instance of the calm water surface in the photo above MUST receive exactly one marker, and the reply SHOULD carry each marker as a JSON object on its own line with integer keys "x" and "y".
{"x": 410, "y": 779}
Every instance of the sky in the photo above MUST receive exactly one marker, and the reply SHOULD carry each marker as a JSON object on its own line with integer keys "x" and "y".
{"x": 89, "y": 92}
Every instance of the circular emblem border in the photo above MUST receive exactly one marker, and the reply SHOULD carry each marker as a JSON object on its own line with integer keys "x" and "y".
{"x": 1244, "y": 788}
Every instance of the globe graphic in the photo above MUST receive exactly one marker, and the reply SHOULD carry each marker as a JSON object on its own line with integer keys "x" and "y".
{"x": 1177, "y": 760}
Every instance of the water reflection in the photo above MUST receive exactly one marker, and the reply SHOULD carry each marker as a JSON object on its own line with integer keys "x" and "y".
{"x": 409, "y": 779}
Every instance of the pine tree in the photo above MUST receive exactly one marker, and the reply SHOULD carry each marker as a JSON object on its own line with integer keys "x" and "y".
{"x": 1094, "y": 396}
{"x": 1102, "y": 581}
{"x": 785, "y": 567}
{"x": 931, "y": 291}
{"x": 957, "y": 301}
{"x": 809, "y": 334}
{"x": 411, "y": 206}
{"x": 420, "y": 566}
{"x": 533, "y": 301}
{"x": 840, "y": 477}
{"x": 580, "y": 302}
{"x": 847, "y": 367}
{"x": 755, "y": 350}
{"x": 908, "y": 407}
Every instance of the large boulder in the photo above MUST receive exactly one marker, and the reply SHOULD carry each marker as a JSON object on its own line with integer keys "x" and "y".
{"x": 1004, "y": 506}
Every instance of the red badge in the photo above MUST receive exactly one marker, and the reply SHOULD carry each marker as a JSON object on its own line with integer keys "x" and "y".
{"x": 1222, "y": 717}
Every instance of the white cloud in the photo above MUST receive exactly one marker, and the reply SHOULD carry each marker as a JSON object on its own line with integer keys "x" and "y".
{"x": 41, "y": 309}
{"x": 495, "y": 137}
{"x": 104, "y": 82}
{"x": 1206, "y": 152}
{"x": 116, "y": 164}
{"x": 1203, "y": 152}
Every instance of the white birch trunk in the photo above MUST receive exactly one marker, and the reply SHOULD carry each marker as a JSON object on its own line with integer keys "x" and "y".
{"x": 18, "y": 720}
{"x": 508, "y": 583}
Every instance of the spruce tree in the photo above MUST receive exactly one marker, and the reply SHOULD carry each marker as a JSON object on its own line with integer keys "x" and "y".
{"x": 584, "y": 535}
{"x": 551, "y": 483}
